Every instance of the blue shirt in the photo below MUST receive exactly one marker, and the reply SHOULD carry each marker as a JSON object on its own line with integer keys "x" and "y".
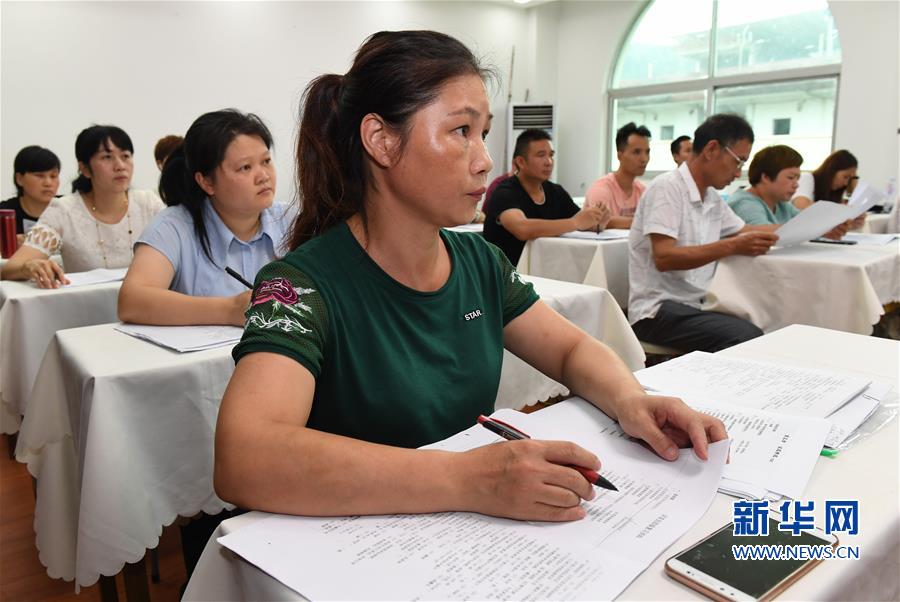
{"x": 754, "y": 210}
{"x": 172, "y": 234}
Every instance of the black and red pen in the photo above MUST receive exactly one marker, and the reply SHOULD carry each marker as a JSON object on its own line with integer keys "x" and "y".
{"x": 511, "y": 433}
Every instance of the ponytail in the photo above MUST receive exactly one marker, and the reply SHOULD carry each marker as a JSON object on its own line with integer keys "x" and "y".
{"x": 81, "y": 184}
{"x": 177, "y": 186}
{"x": 330, "y": 168}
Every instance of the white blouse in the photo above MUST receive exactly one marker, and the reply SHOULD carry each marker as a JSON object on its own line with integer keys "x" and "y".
{"x": 806, "y": 186}
{"x": 66, "y": 227}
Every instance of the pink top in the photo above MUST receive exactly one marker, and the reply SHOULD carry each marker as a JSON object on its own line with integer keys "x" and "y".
{"x": 607, "y": 191}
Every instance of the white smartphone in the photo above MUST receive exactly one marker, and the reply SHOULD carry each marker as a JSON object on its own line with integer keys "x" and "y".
{"x": 710, "y": 567}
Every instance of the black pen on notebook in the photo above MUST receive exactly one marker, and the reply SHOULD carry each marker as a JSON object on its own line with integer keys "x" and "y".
{"x": 238, "y": 277}
{"x": 511, "y": 433}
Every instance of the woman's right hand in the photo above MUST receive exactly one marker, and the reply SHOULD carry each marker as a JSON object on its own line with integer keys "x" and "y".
{"x": 527, "y": 480}
{"x": 239, "y": 305}
{"x": 46, "y": 273}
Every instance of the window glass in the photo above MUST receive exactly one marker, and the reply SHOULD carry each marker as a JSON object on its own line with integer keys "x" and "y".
{"x": 755, "y": 47}
{"x": 766, "y": 35}
{"x": 667, "y": 116}
{"x": 669, "y": 43}
{"x": 807, "y": 105}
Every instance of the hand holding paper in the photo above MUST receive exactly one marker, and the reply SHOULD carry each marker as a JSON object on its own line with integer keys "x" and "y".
{"x": 823, "y": 216}
{"x": 753, "y": 243}
{"x": 667, "y": 423}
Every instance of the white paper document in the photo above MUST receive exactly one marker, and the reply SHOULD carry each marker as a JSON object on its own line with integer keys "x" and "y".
{"x": 184, "y": 338}
{"x": 775, "y": 451}
{"x": 463, "y": 556}
{"x": 610, "y": 234}
{"x": 812, "y": 222}
{"x": 97, "y": 276}
{"x": 849, "y": 418}
{"x": 707, "y": 377}
{"x": 772, "y": 455}
{"x": 864, "y": 197}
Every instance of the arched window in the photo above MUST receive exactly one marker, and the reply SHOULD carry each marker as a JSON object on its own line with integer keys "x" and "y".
{"x": 776, "y": 62}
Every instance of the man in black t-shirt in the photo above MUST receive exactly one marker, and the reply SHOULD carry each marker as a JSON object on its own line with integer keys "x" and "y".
{"x": 528, "y": 205}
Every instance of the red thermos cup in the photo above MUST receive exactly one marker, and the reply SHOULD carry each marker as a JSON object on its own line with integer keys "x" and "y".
{"x": 8, "y": 241}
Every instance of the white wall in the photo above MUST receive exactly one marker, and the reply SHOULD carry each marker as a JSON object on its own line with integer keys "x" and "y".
{"x": 153, "y": 67}
{"x": 591, "y": 33}
{"x": 869, "y": 96}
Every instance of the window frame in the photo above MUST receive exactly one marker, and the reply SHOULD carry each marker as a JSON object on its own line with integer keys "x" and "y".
{"x": 711, "y": 83}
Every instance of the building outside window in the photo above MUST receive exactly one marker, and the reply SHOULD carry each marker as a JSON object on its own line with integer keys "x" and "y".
{"x": 776, "y": 63}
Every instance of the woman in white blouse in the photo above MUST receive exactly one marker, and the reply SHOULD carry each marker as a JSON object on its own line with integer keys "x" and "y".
{"x": 95, "y": 226}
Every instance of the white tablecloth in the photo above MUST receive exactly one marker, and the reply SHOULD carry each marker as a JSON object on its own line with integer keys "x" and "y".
{"x": 602, "y": 263}
{"x": 29, "y": 316}
{"x": 867, "y": 472}
{"x": 595, "y": 311}
{"x": 876, "y": 223}
{"x": 841, "y": 287}
{"x": 119, "y": 432}
{"x": 119, "y": 435}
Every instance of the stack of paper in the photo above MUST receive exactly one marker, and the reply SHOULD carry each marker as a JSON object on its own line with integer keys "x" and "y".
{"x": 98, "y": 276}
{"x": 783, "y": 415}
{"x": 610, "y": 234}
{"x": 465, "y": 556}
{"x": 184, "y": 338}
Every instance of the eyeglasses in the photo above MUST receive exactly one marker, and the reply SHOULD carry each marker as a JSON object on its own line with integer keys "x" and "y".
{"x": 740, "y": 162}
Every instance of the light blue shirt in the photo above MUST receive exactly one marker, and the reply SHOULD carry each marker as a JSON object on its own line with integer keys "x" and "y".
{"x": 172, "y": 233}
{"x": 754, "y": 210}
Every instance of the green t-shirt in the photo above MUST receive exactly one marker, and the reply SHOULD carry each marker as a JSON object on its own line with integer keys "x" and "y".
{"x": 392, "y": 365}
{"x": 754, "y": 210}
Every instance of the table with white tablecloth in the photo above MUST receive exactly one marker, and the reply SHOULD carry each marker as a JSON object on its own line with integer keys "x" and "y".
{"x": 119, "y": 432}
{"x": 868, "y": 472}
{"x": 29, "y": 316}
{"x": 596, "y": 312}
{"x": 841, "y": 287}
{"x": 876, "y": 223}
{"x": 602, "y": 263}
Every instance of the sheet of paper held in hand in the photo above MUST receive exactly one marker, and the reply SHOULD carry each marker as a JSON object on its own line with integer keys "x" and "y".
{"x": 762, "y": 385}
{"x": 184, "y": 338}
{"x": 822, "y": 216}
{"x": 463, "y": 556}
{"x": 98, "y": 276}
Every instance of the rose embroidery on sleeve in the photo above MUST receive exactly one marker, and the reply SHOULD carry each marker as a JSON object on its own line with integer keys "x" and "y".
{"x": 279, "y": 289}
{"x": 287, "y": 308}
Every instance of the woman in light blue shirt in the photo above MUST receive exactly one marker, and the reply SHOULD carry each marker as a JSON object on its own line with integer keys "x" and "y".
{"x": 774, "y": 177}
{"x": 220, "y": 187}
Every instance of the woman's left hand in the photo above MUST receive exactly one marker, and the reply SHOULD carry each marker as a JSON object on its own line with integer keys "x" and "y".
{"x": 667, "y": 423}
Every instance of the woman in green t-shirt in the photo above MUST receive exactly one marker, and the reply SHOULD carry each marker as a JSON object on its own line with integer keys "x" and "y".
{"x": 381, "y": 331}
